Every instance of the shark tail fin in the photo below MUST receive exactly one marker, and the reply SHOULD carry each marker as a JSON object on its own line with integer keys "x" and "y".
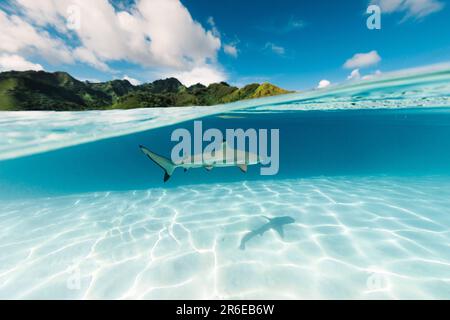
{"x": 167, "y": 165}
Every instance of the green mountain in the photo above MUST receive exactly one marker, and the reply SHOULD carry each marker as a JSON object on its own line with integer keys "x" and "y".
{"x": 114, "y": 89}
{"x": 59, "y": 91}
{"x": 40, "y": 90}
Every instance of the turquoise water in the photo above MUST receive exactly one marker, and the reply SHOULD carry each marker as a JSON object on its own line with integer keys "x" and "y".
{"x": 364, "y": 172}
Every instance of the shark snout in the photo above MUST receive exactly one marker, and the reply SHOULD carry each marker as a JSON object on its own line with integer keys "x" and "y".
{"x": 285, "y": 220}
{"x": 290, "y": 220}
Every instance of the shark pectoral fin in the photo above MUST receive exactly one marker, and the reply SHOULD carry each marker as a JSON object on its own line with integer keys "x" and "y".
{"x": 243, "y": 168}
{"x": 209, "y": 168}
{"x": 185, "y": 170}
{"x": 166, "y": 177}
{"x": 280, "y": 231}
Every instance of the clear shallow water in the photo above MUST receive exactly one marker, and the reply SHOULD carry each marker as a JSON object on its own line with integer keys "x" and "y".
{"x": 364, "y": 171}
{"x": 28, "y": 133}
{"x": 400, "y": 142}
{"x": 355, "y": 238}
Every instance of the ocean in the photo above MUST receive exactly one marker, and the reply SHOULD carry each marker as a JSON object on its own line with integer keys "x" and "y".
{"x": 364, "y": 172}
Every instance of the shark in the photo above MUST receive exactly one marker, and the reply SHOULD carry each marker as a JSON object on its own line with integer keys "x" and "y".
{"x": 228, "y": 157}
{"x": 273, "y": 224}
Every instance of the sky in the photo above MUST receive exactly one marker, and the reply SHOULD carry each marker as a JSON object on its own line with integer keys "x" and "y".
{"x": 295, "y": 44}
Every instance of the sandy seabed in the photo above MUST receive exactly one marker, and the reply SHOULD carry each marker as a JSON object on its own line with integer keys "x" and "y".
{"x": 354, "y": 238}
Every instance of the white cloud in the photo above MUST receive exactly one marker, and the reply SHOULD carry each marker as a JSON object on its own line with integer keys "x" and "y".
{"x": 91, "y": 80}
{"x": 20, "y": 37}
{"x": 17, "y": 63}
{"x": 274, "y": 48}
{"x": 283, "y": 27}
{"x": 203, "y": 74}
{"x": 412, "y": 8}
{"x": 388, "y": 6}
{"x": 231, "y": 50}
{"x": 86, "y": 56}
{"x": 294, "y": 25}
{"x": 373, "y": 75}
{"x": 362, "y": 60}
{"x": 323, "y": 84}
{"x": 133, "y": 81}
{"x": 354, "y": 75}
{"x": 214, "y": 29}
{"x": 158, "y": 34}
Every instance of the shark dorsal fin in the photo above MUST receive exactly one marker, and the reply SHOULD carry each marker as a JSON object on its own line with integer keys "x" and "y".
{"x": 243, "y": 168}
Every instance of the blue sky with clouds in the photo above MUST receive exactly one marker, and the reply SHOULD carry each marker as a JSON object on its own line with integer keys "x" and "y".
{"x": 292, "y": 43}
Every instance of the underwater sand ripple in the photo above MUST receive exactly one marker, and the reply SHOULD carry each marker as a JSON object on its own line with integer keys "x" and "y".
{"x": 353, "y": 238}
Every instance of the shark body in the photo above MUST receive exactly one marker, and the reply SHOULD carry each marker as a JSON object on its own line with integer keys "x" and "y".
{"x": 225, "y": 157}
{"x": 273, "y": 224}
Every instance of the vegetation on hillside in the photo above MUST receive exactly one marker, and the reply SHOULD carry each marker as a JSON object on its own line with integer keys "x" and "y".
{"x": 59, "y": 91}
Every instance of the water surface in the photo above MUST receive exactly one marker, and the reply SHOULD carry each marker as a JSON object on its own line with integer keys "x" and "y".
{"x": 364, "y": 172}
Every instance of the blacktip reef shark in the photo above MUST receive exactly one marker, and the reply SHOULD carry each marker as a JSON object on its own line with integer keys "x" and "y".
{"x": 273, "y": 224}
{"x": 228, "y": 158}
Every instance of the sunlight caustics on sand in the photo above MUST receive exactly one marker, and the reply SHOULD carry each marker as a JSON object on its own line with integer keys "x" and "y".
{"x": 353, "y": 238}
{"x": 368, "y": 192}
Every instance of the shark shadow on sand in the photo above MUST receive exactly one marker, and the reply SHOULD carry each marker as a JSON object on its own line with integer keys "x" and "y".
{"x": 273, "y": 224}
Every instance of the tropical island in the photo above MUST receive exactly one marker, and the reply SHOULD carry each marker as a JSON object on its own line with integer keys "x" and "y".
{"x": 59, "y": 91}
